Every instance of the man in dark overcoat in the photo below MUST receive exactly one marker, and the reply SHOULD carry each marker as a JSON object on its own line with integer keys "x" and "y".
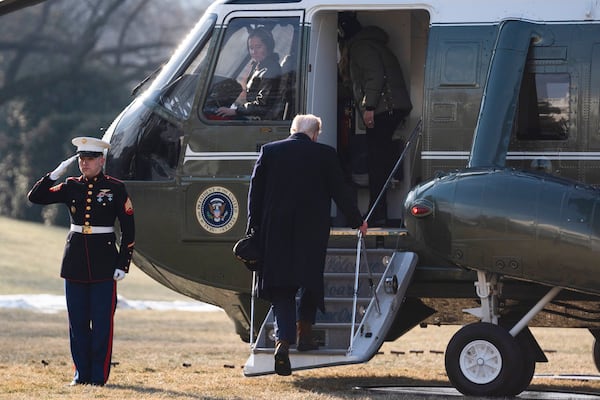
{"x": 289, "y": 206}
{"x": 91, "y": 264}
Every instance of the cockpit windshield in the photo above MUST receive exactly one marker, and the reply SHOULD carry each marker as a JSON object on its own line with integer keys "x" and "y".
{"x": 146, "y": 138}
{"x": 195, "y": 40}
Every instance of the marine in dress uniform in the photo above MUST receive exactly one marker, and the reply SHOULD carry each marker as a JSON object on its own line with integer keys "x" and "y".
{"x": 92, "y": 264}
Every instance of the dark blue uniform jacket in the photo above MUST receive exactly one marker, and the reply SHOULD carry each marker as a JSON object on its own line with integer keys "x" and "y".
{"x": 97, "y": 202}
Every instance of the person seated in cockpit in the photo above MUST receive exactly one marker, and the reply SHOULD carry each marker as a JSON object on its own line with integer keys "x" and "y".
{"x": 262, "y": 84}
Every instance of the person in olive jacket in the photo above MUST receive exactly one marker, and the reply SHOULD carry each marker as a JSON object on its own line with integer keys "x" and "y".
{"x": 91, "y": 263}
{"x": 289, "y": 205}
{"x": 380, "y": 96}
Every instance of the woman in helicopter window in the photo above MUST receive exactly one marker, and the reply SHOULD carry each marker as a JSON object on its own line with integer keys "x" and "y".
{"x": 262, "y": 93}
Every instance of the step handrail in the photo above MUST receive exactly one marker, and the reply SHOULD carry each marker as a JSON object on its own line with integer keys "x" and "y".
{"x": 415, "y": 132}
{"x": 360, "y": 243}
{"x": 355, "y": 290}
{"x": 370, "y": 272}
{"x": 361, "y": 254}
{"x": 252, "y": 299}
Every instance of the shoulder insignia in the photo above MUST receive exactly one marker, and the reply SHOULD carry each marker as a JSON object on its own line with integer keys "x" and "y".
{"x": 110, "y": 178}
{"x": 56, "y": 188}
{"x": 128, "y": 207}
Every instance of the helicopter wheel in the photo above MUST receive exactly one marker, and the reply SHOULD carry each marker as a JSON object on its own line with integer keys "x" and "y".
{"x": 596, "y": 354}
{"x": 483, "y": 359}
{"x": 523, "y": 379}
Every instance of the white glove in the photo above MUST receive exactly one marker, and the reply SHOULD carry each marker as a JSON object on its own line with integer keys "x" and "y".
{"x": 62, "y": 167}
{"x": 119, "y": 274}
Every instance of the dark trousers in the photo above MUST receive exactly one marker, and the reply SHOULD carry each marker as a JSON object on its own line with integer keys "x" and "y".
{"x": 91, "y": 307}
{"x": 381, "y": 158}
{"x": 287, "y": 312}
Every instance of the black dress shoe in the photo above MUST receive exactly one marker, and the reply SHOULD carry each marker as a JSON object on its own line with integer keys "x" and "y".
{"x": 283, "y": 366}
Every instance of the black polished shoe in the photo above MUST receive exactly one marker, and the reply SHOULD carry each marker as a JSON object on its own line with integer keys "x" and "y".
{"x": 283, "y": 366}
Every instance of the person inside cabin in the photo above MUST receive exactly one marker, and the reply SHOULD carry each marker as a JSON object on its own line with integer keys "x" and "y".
{"x": 289, "y": 205}
{"x": 262, "y": 84}
{"x": 380, "y": 96}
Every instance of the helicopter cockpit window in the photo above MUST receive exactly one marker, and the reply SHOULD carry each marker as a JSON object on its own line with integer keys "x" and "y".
{"x": 178, "y": 98}
{"x": 544, "y": 107}
{"x": 255, "y": 75}
{"x": 160, "y": 139}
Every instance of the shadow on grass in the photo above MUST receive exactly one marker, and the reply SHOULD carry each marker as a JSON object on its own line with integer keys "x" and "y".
{"x": 359, "y": 387}
{"x": 350, "y": 387}
{"x": 149, "y": 390}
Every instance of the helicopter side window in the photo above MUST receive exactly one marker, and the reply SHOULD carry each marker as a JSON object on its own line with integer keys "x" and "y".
{"x": 178, "y": 98}
{"x": 544, "y": 107}
{"x": 255, "y": 75}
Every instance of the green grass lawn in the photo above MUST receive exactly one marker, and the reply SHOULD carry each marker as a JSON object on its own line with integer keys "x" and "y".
{"x": 30, "y": 257}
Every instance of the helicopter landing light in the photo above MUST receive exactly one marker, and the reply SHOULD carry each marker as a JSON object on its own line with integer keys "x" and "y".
{"x": 421, "y": 209}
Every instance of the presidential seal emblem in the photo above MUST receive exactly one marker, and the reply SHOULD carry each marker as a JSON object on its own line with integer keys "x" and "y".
{"x": 217, "y": 209}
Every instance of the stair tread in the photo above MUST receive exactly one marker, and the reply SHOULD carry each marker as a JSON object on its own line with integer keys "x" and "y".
{"x": 321, "y": 351}
{"x": 370, "y": 232}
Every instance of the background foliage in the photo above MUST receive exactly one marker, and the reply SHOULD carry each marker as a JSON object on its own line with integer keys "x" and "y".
{"x": 67, "y": 68}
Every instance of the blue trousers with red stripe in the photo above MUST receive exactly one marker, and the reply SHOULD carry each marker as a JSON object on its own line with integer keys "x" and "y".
{"x": 91, "y": 308}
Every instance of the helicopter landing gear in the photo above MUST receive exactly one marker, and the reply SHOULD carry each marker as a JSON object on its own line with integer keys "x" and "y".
{"x": 486, "y": 359}
{"x": 480, "y": 359}
{"x": 596, "y": 347}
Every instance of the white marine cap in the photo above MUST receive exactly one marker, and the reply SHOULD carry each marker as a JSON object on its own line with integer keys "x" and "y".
{"x": 89, "y": 146}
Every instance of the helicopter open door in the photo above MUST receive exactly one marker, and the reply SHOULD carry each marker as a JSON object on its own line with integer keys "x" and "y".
{"x": 329, "y": 96}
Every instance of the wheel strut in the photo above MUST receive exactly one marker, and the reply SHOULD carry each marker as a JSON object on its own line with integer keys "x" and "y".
{"x": 523, "y": 322}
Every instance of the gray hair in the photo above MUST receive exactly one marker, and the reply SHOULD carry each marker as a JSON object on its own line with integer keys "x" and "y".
{"x": 307, "y": 123}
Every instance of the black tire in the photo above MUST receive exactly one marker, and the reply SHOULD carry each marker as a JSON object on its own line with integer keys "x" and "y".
{"x": 523, "y": 379}
{"x": 483, "y": 359}
{"x": 596, "y": 354}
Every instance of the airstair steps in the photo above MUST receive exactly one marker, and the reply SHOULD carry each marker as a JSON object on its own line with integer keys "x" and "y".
{"x": 388, "y": 274}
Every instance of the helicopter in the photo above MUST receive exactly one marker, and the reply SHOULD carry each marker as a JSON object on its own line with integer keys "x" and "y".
{"x": 8, "y": 6}
{"x": 495, "y": 199}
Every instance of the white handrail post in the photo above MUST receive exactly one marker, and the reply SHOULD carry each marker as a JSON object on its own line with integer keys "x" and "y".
{"x": 355, "y": 294}
{"x": 253, "y": 295}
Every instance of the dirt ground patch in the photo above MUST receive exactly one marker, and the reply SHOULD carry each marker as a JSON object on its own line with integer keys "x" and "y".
{"x": 191, "y": 355}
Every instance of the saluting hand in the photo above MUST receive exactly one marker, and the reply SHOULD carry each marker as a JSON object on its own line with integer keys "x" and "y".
{"x": 62, "y": 167}
{"x": 119, "y": 274}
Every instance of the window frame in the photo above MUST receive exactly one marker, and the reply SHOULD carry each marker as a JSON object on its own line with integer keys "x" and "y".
{"x": 259, "y": 18}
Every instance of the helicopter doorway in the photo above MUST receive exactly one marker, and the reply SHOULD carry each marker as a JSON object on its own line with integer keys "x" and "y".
{"x": 343, "y": 128}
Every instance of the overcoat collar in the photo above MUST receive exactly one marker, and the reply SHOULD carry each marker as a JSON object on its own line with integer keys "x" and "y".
{"x": 300, "y": 136}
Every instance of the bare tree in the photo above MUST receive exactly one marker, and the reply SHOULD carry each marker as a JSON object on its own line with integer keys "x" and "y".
{"x": 66, "y": 69}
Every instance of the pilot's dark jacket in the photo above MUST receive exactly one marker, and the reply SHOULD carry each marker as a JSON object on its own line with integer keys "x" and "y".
{"x": 289, "y": 203}
{"x": 262, "y": 89}
{"x": 96, "y": 203}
